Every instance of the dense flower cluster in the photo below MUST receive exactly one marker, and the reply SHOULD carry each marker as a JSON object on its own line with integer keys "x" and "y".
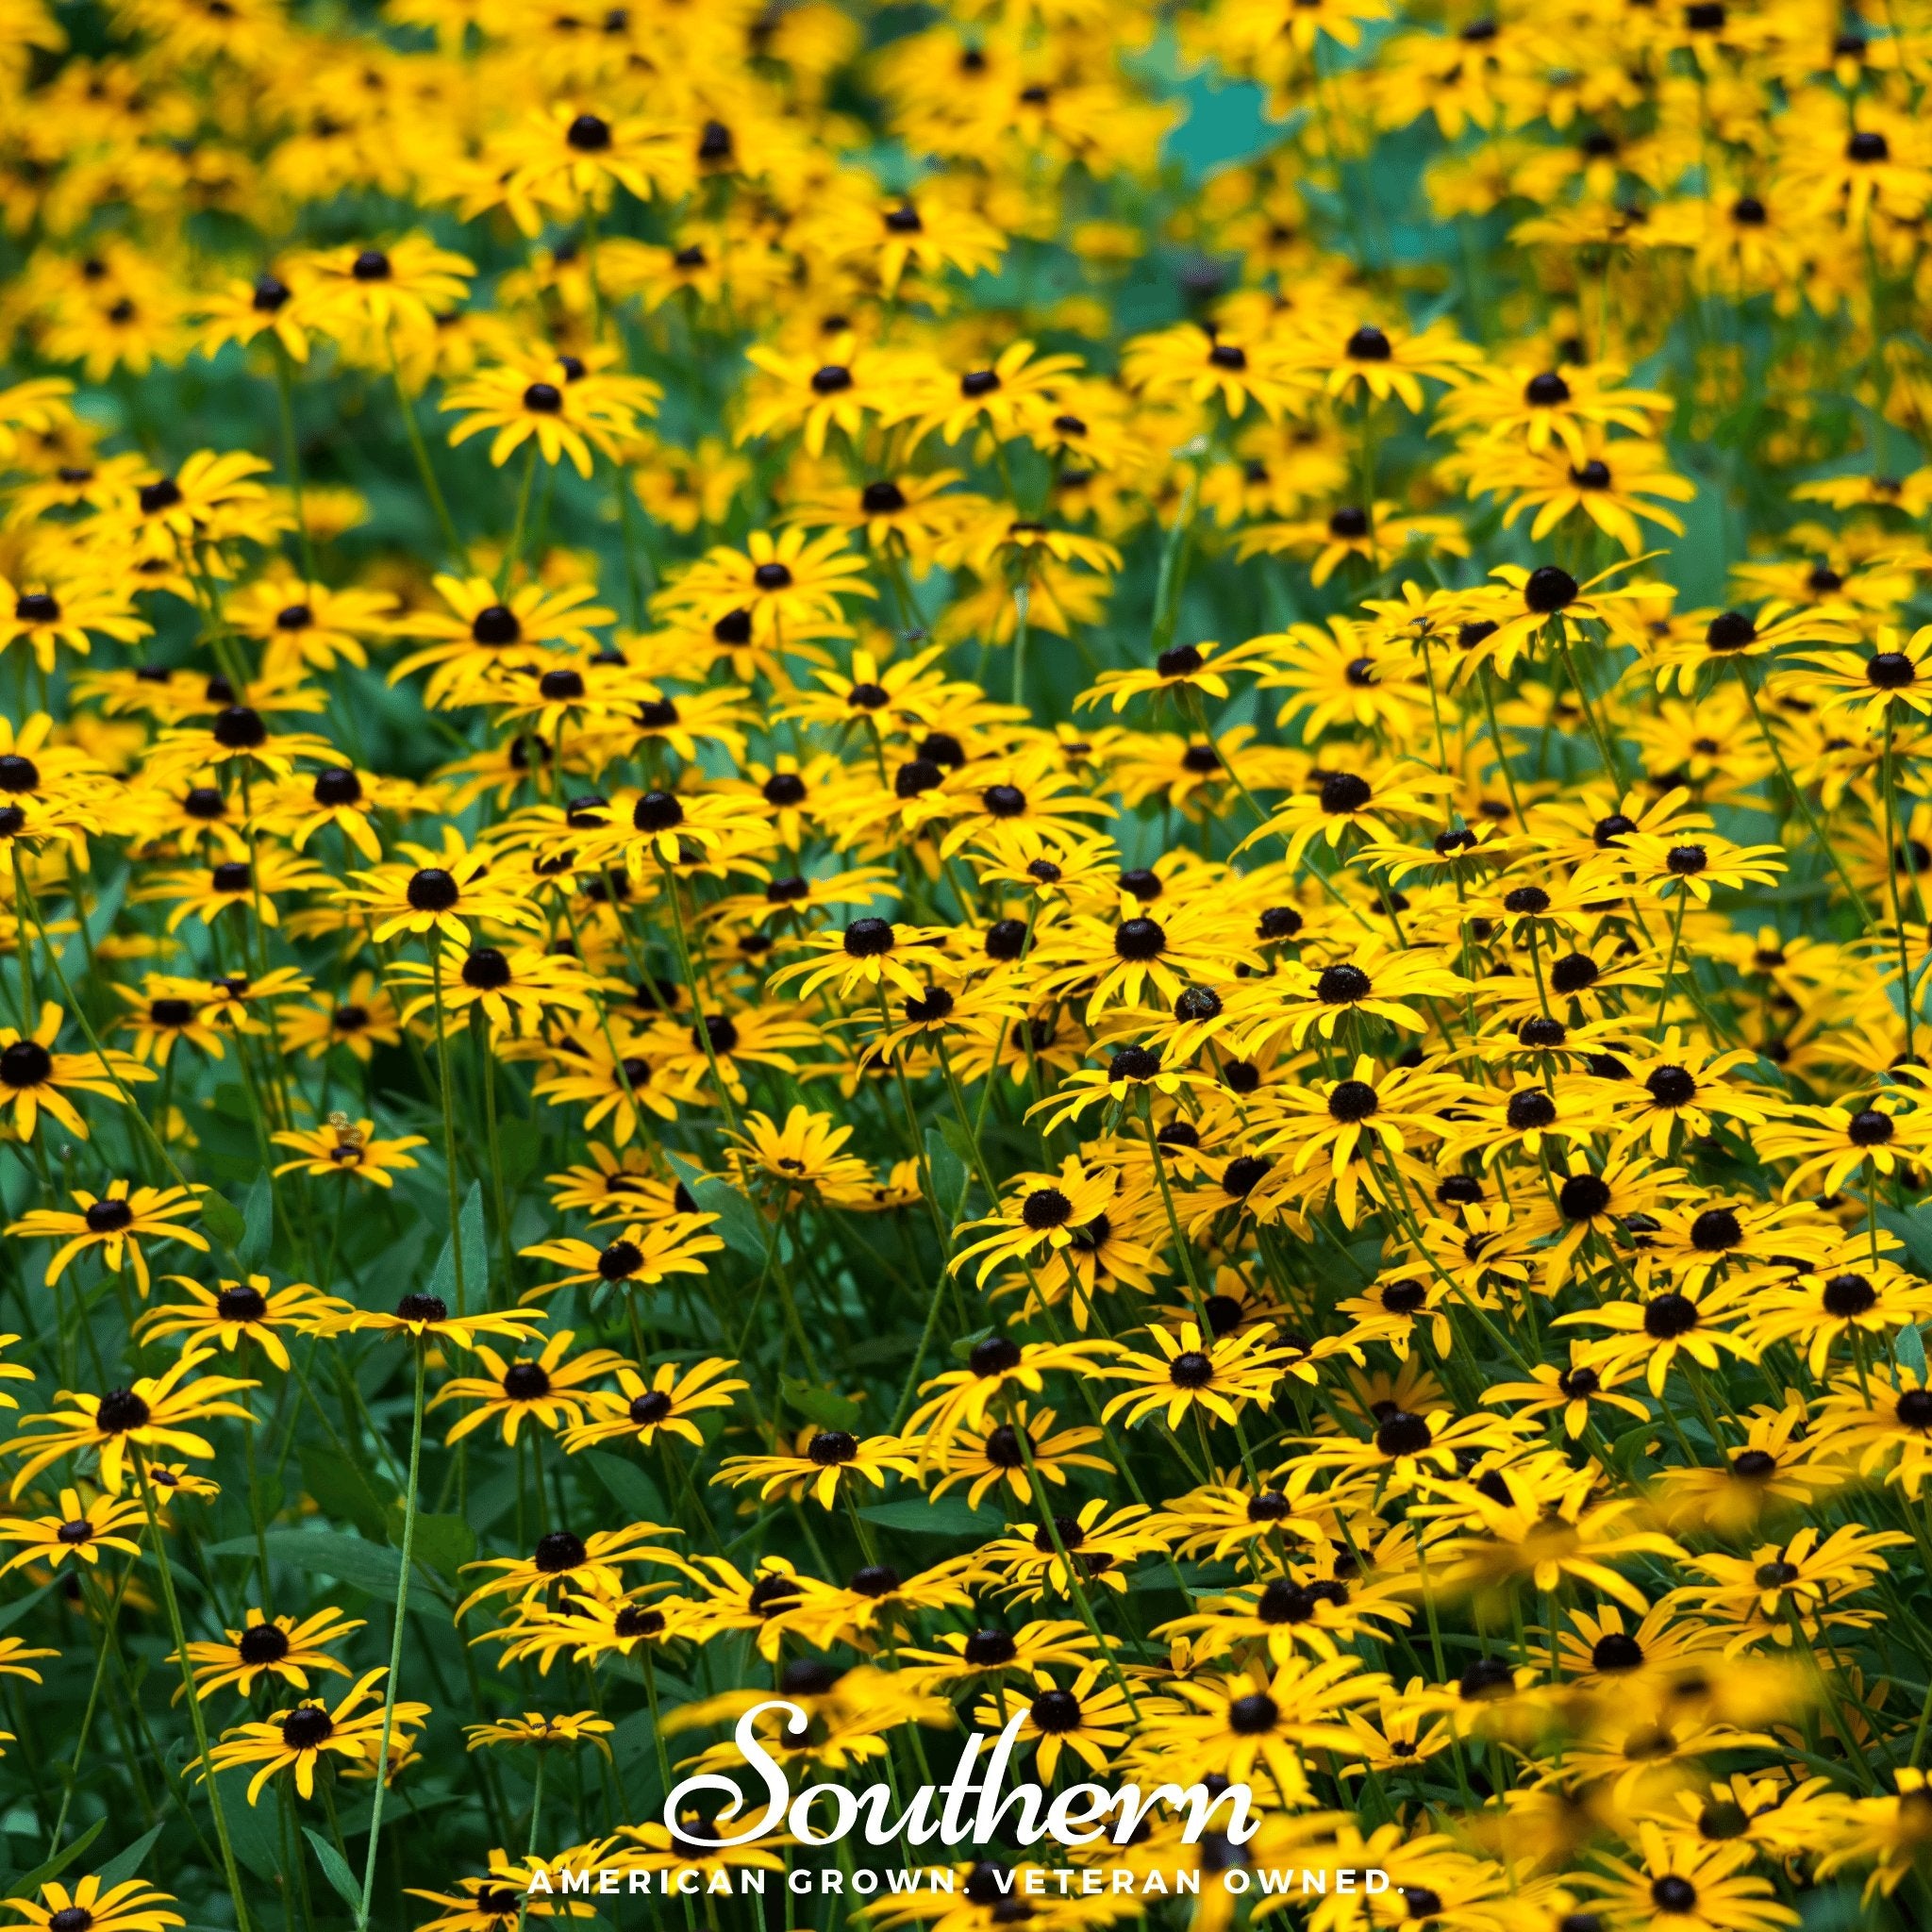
{"x": 1035, "y": 859}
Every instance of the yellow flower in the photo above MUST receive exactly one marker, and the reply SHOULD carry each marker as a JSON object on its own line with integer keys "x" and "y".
{"x": 641, "y": 1255}
{"x": 239, "y": 1310}
{"x": 297, "y": 1740}
{"x": 545, "y": 1389}
{"x": 75, "y": 1531}
{"x": 436, "y": 891}
{"x": 820, "y": 1465}
{"x": 114, "y": 1222}
{"x": 348, "y": 1147}
{"x": 639, "y": 1411}
{"x": 393, "y": 294}
{"x": 544, "y": 1732}
{"x": 284, "y": 1648}
{"x": 152, "y": 1412}
{"x": 1190, "y": 1371}
{"x": 34, "y": 1078}
{"x": 131, "y": 1905}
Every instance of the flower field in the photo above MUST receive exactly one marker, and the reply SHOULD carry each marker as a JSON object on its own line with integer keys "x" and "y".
{"x": 1051, "y": 869}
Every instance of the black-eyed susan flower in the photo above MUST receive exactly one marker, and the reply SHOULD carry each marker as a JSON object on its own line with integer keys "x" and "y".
{"x": 284, "y": 1648}
{"x": 35, "y": 1078}
{"x": 114, "y": 1224}
{"x": 542, "y": 402}
{"x": 419, "y": 1316}
{"x": 1368, "y": 979}
{"x": 297, "y": 1740}
{"x": 640, "y": 1257}
{"x": 1780, "y": 1593}
{"x": 1087, "y": 1718}
{"x": 1692, "y": 1321}
{"x": 436, "y": 890}
{"x": 152, "y": 1412}
{"x": 639, "y": 1411}
{"x": 1181, "y": 671}
{"x": 363, "y": 1019}
{"x": 1403, "y": 1448}
{"x": 132, "y": 1905}
{"x": 17, "y": 1657}
{"x": 996, "y": 1367}
{"x": 1841, "y": 1304}
{"x": 1776, "y": 1466}
{"x": 1046, "y": 1211}
{"x": 483, "y": 629}
{"x": 392, "y": 293}
{"x": 1384, "y": 361}
{"x": 1071, "y": 1554}
{"x": 823, "y": 1464}
{"x": 348, "y": 1147}
{"x": 237, "y": 1312}
{"x": 543, "y": 1731}
{"x": 804, "y": 1153}
{"x": 546, "y": 1388}
{"x": 986, "y": 1461}
{"x": 1881, "y": 1419}
{"x": 1571, "y": 1391}
{"x": 1262, "y": 1722}
{"x": 508, "y": 1890}
{"x": 300, "y": 623}
{"x": 49, "y": 615}
{"x": 1235, "y": 369}
{"x": 614, "y": 1076}
{"x": 562, "y": 1556}
{"x": 74, "y": 1529}
{"x": 833, "y": 388}
{"x": 1187, "y": 1372}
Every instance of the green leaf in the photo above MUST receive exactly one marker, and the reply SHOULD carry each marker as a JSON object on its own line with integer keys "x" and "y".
{"x": 374, "y": 1567}
{"x": 1626, "y": 1448}
{"x": 817, "y": 1404}
{"x": 1908, "y": 1346}
{"x": 256, "y": 1841}
{"x": 957, "y": 1142}
{"x": 521, "y": 1146}
{"x": 443, "y": 1544}
{"x": 14, "y": 1612}
{"x": 950, "y": 1172}
{"x": 258, "y": 1224}
{"x": 125, "y": 1865}
{"x": 73, "y": 956}
{"x": 965, "y": 1344}
{"x": 223, "y": 1220}
{"x": 341, "y": 1485}
{"x": 335, "y": 1868}
{"x": 631, "y": 1488}
{"x": 31, "y": 1882}
{"x": 948, "y": 1516}
{"x": 469, "y": 1231}
{"x": 1915, "y": 1231}
{"x": 739, "y": 1226}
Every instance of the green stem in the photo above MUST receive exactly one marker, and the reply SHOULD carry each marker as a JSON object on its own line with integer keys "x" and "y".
{"x": 292, "y": 457}
{"x": 432, "y": 489}
{"x": 194, "y": 1710}
{"x": 514, "y": 547}
{"x": 109, "y": 1617}
{"x": 536, "y": 1820}
{"x": 1892, "y": 843}
{"x": 395, "y": 1647}
{"x": 1803, "y": 804}
{"x": 449, "y": 1122}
